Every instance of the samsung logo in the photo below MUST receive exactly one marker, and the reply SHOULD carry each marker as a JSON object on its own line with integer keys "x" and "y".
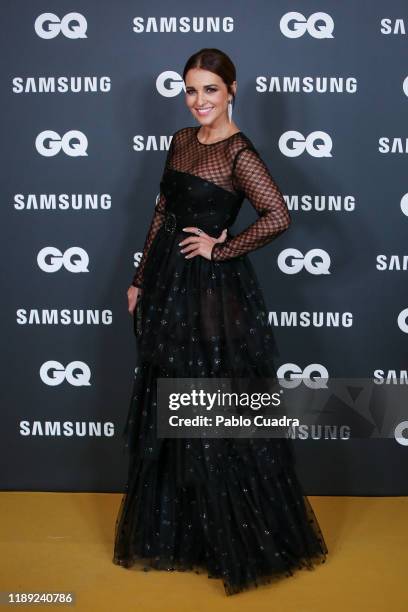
{"x": 64, "y": 316}
{"x": 183, "y": 24}
{"x": 151, "y": 143}
{"x": 392, "y": 262}
{"x": 393, "y": 145}
{"x": 67, "y": 429}
{"x": 320, "y": 432}
{"x": 62, "y": 84}
{"x": 320, "y": 203}
{"x": 62, "y": 201}
{"x": 309, "y": 84}
{"x": 311, "y": 319}
{"x": 390, "y": 377}
{"x": 393, "y": 26}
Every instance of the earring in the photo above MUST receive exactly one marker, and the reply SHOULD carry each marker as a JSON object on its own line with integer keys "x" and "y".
{"x": 230, "y": 110}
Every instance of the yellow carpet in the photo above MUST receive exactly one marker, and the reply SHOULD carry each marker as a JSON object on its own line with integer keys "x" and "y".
{"x": 64, "y": 542}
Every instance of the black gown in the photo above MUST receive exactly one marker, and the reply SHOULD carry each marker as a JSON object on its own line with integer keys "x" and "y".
{"x": 231, "y": 508}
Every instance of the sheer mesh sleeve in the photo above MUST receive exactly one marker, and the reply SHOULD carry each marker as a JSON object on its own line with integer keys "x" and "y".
{"x": 253, "y": 178}
{"x": 155, "y": 224}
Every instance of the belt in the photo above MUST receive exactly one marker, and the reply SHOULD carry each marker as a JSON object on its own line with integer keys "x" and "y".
{"x": 173, "y": 221}
{"x": 170, "y": 222}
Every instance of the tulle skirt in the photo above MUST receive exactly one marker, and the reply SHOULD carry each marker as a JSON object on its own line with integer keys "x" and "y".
{"x": 231, "y": 508}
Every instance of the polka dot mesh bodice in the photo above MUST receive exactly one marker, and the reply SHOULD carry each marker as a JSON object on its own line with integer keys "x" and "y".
{"x": 234, "y": 165}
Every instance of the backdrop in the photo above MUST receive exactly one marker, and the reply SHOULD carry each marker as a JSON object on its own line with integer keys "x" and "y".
{"x": 91, "y": 94}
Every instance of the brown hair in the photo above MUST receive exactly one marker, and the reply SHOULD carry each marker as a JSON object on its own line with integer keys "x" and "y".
{"x": 215, "y": 61}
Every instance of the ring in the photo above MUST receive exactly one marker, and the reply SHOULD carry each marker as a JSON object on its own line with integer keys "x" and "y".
{"x": 199, "y": 231}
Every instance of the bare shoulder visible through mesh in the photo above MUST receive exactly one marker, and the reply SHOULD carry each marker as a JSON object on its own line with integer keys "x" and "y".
{"x": 212, "y": 162}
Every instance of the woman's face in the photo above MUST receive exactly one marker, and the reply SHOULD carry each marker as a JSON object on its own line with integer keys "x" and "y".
{"x": 207, "y": 91}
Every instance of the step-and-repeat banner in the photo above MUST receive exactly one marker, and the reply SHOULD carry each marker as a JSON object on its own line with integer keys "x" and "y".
{"x": 91, "y": 94}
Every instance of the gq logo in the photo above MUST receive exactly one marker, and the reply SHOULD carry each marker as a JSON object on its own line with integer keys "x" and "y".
{"x": 399, "y": 433}
{"x": 170, "y": 84}
{"x": 48, "y": 25}
{"x": 49, "y": 143}
{"x": 404, "y": 204}
{"x": 403, "y": 320}
{"x": 294, "y": 25}
{"x": 314, "y": 376}
{"x": 51, "y": 259}
{"x": 316, "y": 261}
{"x": 77, "y": 373}
{"x": 317, "y": 144}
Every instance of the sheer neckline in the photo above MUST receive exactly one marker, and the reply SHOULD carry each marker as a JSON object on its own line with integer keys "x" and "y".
{"x": 209, "y": 144}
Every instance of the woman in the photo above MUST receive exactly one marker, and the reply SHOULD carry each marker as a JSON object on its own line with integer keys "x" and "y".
{"x": 232, "y": 508}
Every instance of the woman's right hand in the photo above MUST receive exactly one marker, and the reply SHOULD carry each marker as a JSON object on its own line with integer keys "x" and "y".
{"x": 132, "y": 293}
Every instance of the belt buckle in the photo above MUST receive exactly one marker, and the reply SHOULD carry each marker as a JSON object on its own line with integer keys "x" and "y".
{"x": 170, "y": 222}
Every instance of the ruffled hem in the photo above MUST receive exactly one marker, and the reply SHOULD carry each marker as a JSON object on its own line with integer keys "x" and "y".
{"x": 250, "y": 527}
{"x": 147, "y": 564}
